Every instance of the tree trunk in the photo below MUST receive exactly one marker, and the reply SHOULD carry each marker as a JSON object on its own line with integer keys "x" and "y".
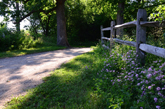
{"x": 61, "y": 24}
{"x": 17, "y": 17}
{"x": 120, "y": 19}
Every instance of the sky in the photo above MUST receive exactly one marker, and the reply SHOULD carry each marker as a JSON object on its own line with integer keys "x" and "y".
{"x": 11, "y": 25}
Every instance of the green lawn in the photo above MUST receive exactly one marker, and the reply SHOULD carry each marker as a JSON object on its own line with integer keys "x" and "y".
{"x": 13, "y": 53}
{"x": 100, "y": 80}
{"x": 42, "y": 48}
{"x": 69, "y": 87}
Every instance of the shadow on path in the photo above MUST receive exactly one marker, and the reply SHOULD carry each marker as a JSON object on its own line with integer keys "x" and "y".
{"x": 17, "y": 74}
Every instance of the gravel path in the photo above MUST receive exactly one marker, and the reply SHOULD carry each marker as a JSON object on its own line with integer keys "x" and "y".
{"x": 17, "y": 74}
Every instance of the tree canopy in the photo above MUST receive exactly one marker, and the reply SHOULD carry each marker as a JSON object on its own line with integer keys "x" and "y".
{"x": 78, "y": 19}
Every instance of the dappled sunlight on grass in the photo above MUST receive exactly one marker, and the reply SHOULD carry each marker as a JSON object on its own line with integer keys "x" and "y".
{"x": 29, "y": 51}
{"x": 68, "y": 87}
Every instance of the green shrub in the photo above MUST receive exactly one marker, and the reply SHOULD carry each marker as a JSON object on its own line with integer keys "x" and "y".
{"x": 125, "y": 84}
{"x": 11, "y": 40}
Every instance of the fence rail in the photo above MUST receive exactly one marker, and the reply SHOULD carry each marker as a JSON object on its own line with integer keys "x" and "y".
{"x": 140, "y": 45}
{"x": 130, "y": 43}
{"x": 153, "y": 50}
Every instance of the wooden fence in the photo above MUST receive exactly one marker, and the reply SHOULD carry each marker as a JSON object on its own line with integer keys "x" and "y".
{"x": 140, "y": 44}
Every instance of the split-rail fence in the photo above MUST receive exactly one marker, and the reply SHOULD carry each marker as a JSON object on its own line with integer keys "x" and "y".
{"x": 140, "y": 44}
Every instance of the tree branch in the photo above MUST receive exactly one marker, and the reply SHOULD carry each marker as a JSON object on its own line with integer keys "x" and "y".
{"x": 33, "y": 11}
{"x": 26, "y": 1}
{"x": 27, "y": 15}
{"x": 154, "y": 5}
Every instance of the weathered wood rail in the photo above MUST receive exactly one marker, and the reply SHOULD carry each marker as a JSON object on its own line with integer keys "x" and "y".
{"x": 140, "y": 44}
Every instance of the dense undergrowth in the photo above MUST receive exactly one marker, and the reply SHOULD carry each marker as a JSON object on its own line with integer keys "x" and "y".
{"x": 26, "y": 42}
{"x": 11, "y": 40}
{"x": 132, "y": 85}
{"x": 100, "y": 80}
{"x": 96, "y": 80}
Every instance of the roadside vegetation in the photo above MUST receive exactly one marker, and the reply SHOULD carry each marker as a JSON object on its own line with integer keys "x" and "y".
{"x": 95, "y": 80}
{"x": 26, "y": 42}
{"x": 100, "y": 80}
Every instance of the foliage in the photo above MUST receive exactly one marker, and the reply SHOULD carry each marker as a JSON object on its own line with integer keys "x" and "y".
{"x": 68, "y": 87}
{"x": 101, "y": 80}
{"x": 7, "y": 39}
{"x": 11, "y": 40}
{"x": 25, "y": 51}
{"x": 131, "y": 85}
{"x": 159, "y": 14}
{"x": 83, "y": 17}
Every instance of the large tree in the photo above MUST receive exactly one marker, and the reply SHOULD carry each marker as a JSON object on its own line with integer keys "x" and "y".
{"x": 61, "y": 24}
{"x": 46, "y": 10}
{"x": 11, "y": 10}
{"x": 120, "y": 16}
{"x": 17, "y": 17}
{"x": 43, "y": 7}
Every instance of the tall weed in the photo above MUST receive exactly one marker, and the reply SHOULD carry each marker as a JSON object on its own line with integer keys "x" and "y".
{"x": 124, "y": 83}
{"x": 11, "y": 40}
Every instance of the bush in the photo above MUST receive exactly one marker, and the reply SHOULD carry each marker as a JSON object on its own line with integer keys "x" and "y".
{"x": 7, "y": 38}
{"x": 27, "y": 41}
{"x": 11, "y": 40}
{"x": 125, "y": 84}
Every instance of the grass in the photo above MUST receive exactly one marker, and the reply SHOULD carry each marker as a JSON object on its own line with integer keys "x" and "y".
{"x": 14, "y": 44}
{"x": 100, "y": 80}
{"x": 28, "y": 45}
{"x": 69, "y": 87}
{"x": 25, "y": 51}
{"x": 48, "y": 44}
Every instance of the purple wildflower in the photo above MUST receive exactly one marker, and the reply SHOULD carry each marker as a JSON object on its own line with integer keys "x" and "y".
{"x": 138, "y": 84}
{"x": 153, "y": 84}
{"x": 160, "y": 66}
{"x": 158, "y": 107}
{"x": 160, "y": 94}
{"x": 155, "y": 61}
{"x": 118, "y": 80}
{"x": 155, "y": 99}
{"x": 158, "y": 88}
{"x": 143, "y": 71}
{"x": 137, "y": 75}
{"x": 157, "y": 78}
{"x": 149, "y": 87}
{"x": 150, "y": 69}
{"x": 149, "y": 75}
{"x": 147, "y": 82}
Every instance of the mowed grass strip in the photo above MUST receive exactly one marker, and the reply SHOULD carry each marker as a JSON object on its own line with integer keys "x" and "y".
{"x": 25, "y": 51}
{"x": 71, "y": 87}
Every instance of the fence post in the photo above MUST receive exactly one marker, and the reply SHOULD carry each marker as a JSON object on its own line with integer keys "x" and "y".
{"x": 112, "y": 35}
{"x": 140, "y": 34}
{"x": 102, "y": 34}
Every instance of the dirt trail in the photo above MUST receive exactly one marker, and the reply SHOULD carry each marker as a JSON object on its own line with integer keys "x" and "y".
{"x": 17, "y": 74}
